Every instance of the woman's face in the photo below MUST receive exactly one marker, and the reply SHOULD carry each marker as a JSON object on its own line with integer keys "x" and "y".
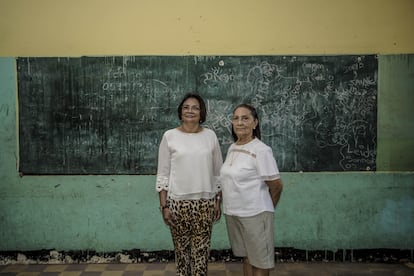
{"x": 243, "y": 123}
{"x": 190, "y": 112}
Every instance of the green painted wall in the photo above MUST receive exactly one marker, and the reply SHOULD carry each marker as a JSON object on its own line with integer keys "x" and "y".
{"x": 317, "y": 210}
{"x": 396, "y": 113}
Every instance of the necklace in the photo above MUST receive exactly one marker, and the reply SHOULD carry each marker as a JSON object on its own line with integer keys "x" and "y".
{"x": 192, "y": 131}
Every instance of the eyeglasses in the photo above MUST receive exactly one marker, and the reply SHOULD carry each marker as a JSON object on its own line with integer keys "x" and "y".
{"x": 243, "y": 119}
{"x": 191, "y": 108}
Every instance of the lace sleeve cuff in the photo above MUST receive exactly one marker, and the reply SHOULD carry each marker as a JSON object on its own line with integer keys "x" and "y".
{"x": 217, "y": 184}
{"x": 162, "y": 183}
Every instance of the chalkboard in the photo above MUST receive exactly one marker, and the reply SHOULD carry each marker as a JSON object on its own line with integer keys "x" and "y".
{"x": 106, "y": 115}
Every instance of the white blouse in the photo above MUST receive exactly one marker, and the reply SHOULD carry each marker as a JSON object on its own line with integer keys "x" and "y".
{"x": 189, "y": 164}
{"x": 243, "y": 177}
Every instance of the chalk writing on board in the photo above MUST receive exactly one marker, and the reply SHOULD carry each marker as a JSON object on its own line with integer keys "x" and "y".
{"x": 106, "y": 115}
{"x": 312, "y": 109}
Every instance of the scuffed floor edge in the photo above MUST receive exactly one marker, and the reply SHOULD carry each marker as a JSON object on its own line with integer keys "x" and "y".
{"x": 282, "y": 255}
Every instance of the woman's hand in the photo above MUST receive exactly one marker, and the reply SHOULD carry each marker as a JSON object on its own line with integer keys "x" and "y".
{"x": 168, "y": 216}
{"x": 217, "y": 211}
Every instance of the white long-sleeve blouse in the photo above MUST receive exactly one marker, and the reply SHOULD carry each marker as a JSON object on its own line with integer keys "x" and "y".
{"x": 189, "y": 164}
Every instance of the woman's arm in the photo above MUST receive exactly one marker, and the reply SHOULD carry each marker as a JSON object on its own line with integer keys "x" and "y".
{"x": 275, "y": 190}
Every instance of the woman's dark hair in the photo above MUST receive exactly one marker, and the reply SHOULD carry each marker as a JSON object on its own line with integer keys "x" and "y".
{"x": 203, "y": 111}
{"x": 256, "y": 131}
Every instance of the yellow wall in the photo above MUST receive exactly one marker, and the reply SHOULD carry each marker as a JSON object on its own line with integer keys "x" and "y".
{"x": 192, "y": 27}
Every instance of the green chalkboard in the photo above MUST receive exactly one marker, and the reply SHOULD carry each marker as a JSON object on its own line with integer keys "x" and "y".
{"x": 106, "y": 115}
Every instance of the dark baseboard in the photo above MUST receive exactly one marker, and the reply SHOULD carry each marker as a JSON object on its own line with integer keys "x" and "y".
{"x": 282, "y": 255}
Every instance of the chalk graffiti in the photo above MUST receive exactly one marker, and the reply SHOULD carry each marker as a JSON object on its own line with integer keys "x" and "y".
{"x": 317, "y": 113}
{"x": 218, "y": 75}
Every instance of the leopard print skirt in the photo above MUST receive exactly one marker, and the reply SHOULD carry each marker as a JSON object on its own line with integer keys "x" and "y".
{"x": 191, "y": 235}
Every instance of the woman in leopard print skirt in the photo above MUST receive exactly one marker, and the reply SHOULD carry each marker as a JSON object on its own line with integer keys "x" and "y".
{"x": 189, "y": 161}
